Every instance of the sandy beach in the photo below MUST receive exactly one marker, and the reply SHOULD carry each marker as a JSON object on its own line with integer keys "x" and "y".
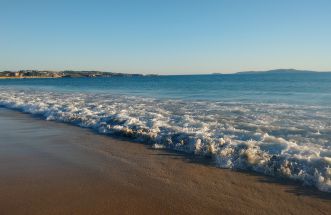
{"x": 55, "y": 168}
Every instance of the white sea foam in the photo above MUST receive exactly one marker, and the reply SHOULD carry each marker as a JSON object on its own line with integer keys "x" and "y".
{"x": 281, "y": 140}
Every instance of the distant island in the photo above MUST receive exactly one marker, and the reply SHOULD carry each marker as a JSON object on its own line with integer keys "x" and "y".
{"x": 64, "y": 74}
{"x": 279, "y": 71}
{"x": 274, "y": 71}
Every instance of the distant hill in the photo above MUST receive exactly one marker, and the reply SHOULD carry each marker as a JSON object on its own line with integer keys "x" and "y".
{"x": 63, "y": 74}
{"x": 77, "y": 74}
{"x": 279, "y": 71}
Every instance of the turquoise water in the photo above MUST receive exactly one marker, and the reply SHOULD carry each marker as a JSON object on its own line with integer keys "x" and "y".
{"x": 275, "y": 124}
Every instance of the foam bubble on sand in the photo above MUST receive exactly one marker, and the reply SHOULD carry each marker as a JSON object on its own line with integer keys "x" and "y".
{"x": 280, "y": 140}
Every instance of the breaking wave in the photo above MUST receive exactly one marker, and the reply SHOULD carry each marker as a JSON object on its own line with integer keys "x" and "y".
{"x": 283, "y": 140}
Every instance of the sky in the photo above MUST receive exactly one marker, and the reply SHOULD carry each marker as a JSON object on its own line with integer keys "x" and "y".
{"x": 165, "y": 36}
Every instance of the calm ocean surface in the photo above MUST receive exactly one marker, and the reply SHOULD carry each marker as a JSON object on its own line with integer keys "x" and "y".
{"x": 275, "y": 124}
{"x": 311, "y": 89}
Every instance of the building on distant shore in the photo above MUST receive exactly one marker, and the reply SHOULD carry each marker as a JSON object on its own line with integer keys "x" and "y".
{"x": 17, "y": 74}
{"x": 55, "y": 75}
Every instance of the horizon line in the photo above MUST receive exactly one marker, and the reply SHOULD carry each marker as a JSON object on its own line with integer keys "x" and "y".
{"x": 211, "y": 73}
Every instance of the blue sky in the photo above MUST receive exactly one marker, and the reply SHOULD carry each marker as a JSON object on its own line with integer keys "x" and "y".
{"x": 165, "y": 37}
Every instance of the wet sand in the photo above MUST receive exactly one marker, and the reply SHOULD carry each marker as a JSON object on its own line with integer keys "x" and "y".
{"x": 54, "y": 168}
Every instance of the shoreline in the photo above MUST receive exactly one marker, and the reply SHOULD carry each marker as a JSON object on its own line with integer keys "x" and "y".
{"x": 34, "y": 77}
{"x": 55, "y": 168}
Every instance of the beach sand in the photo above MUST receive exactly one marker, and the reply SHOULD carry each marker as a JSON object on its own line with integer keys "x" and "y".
{"x": 55, "y": 168}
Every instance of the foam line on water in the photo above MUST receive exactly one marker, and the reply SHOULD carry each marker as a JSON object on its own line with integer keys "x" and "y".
{"x": 284, "y": 140}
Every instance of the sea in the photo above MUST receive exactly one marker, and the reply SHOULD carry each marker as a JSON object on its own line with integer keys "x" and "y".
{"x": 274, "y": 124}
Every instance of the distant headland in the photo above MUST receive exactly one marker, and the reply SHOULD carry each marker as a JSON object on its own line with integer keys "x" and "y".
{"x": 64, "y": 74}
